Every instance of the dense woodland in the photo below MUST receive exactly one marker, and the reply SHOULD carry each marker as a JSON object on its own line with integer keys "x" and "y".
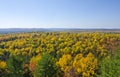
{"x": 60, "y": 54}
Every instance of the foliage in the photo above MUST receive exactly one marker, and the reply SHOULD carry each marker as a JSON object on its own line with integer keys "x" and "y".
{"x": 33, "y": 63}
{"x": 15, "y": 66}
{"x": 69, "y": 54}
{"x": 110, "y": 67}
{"x": 85, "y": 66}
{"x": 65, "y": 62}
{"x": 2, "y": 64}
{"x": 45, "y": 66}
{"x": 79, "y": 66}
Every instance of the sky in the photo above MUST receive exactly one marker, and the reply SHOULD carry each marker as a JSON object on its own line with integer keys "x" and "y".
{"x": 60, "y": 14}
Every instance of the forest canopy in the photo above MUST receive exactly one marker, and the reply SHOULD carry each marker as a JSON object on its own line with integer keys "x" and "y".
{"x": 59, "y": 54}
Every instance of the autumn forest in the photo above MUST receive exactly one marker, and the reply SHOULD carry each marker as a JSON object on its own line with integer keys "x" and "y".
{"x": 60, "y": 54}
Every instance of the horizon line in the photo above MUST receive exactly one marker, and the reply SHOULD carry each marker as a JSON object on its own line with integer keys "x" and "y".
{"x": 55, "y": 28}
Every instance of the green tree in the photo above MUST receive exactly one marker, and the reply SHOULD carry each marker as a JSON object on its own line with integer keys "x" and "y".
{"x": 15, "y": 66}
{"x": 45, "y": 66}
{"x": 110, "y": 67}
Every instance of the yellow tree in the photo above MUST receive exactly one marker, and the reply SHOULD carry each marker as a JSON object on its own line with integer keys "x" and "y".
{"x": 65, "y": 62}
{"x": 85, "y": 66}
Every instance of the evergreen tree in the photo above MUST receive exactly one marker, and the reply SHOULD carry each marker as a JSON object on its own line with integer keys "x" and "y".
{"x": 45, "y": 66}
{"x": 15, "y": 66}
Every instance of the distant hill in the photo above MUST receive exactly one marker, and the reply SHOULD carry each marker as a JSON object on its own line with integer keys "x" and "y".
{"x": 19, "y": 30}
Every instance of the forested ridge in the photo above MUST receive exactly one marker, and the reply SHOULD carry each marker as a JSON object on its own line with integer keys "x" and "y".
{"x": 60, "y": 54}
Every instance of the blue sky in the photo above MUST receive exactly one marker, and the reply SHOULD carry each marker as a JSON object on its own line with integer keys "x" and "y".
{"x": 59, "y": 13}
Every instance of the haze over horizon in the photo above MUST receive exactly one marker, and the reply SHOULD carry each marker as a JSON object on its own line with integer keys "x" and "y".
{"x": 60, "y": 14}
